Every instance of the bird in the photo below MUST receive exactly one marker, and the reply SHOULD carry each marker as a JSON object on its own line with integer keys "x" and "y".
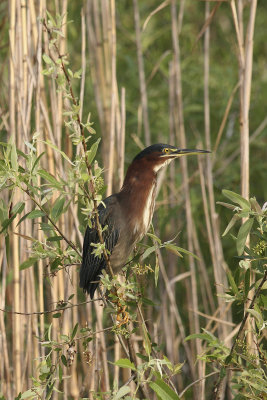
{"x": 125, "y": 216}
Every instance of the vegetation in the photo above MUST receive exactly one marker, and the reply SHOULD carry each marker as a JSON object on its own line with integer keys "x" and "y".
{"x": 85, "y": 86}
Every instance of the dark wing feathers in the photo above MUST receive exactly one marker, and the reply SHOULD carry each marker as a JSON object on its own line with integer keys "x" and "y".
{"x": 93, "y": 265}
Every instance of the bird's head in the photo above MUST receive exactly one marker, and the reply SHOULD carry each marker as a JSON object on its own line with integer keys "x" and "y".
{"x": 159, "y": 155}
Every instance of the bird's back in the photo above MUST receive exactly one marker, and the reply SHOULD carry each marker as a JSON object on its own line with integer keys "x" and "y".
{"x": 92, "y": 264}
{"x": 120, "y": 235}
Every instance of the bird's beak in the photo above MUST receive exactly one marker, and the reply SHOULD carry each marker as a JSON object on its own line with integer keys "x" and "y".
{"x": 189, "y": 152}
{"x": 175, "y": 153}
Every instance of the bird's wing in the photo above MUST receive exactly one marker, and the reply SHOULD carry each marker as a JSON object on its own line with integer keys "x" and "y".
{"x": 92, "y": 265}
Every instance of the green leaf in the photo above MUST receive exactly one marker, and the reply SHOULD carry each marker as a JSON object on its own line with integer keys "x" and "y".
{"x": 6, "y": 223}
{"x": 65, "y": 338}
{"x": 202, "y": 336}
{"x": 125, "y": 363}
{"x": 122, "y": 392}
{"x": 70, "y": 72}
{"x": 35, "y": 214}
{"x": 64, "y": 360}
{"x": 46, "y": 227}
{"x": 234, "y": 219}
{"x": 154, "y": 237}
{"x": 47, "y": 59}
{"x": 147, "y": 343}
{"x": 148, "y": 252}
{"x": 255, "y": 206}
{"x": 49, "y": 178}
{"x": 180, "y": 249}
{"x": 64, "y": 155}
{"x": 30, "y": 146}
{"x": 236, "y": 198}
{"x": 256, "y": 315}
{"x": 31, "y": 215}
{"x": 55, "y": 263}
{"x": 18, "y": 208}
{"x": 28, "y": 263}
{"x": 147, "y": 301}
{"x": 232, "y": 282}
{"x": 145, "y": 358}
{"x": 227, "y": 205}
{"x": 54, "y": 238}
{"x": 14, "y": 157}
{"x": 57, "y": 208}
{"x": 37, "y": 161}
{"x": 163, "y": 391}
{"x": 50, "y": 18}
{"x": 173, "y": 249}
{"x": 242, "y": 235}
{"x": 57, "y": 315}
{"x": 92, "y": 152}
{"x": 44, "y": 368}
{"x": 77, "y": 74}
{"x": 74, "y": 331}
{"x": 30, "y": 394}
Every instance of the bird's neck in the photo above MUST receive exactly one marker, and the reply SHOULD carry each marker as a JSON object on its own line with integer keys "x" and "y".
{"x": 139, "y": 179}
{"x": 138, "y": 195}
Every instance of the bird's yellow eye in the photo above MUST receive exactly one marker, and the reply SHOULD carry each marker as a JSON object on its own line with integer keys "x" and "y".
{"x": 166, "y": 150}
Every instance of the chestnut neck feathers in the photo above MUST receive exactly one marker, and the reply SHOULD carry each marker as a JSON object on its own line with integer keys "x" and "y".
{"x": 137, "y": 194}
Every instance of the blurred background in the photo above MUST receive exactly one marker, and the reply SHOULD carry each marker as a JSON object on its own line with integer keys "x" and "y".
{"x": 189, "y": 73}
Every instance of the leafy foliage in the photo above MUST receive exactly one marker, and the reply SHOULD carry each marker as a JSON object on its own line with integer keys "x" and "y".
{"x": 248, "y": 289}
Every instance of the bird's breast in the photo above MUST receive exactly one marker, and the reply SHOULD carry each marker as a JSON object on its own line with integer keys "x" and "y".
{"x": 147, "y": 210}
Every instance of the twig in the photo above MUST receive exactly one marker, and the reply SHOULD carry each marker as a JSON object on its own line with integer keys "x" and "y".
{"x": 52, "y": 222}
{"x": 198, "y": 380}
{"x": 50, "y": 311}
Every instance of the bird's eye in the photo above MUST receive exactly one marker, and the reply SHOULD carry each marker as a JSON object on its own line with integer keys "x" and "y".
{"x": 166, "y": 150}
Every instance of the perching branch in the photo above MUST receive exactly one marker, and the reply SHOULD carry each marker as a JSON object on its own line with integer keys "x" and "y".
{"x": 50, "y": 311}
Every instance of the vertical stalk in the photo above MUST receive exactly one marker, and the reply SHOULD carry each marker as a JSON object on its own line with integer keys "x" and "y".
{"x": 182, "y": 141}
{"x": 113, "y": 99}
{"x": 5, "y": 374}
{"x": 15, "y": 244}
{"x": 122, "y": 138}
{"x": 212, "y": 220}
{"x": 38, "y": 129}
{"x": 245, "y": 91}
{"x": 141, "y": 70}
{"x": 83, "y": 57}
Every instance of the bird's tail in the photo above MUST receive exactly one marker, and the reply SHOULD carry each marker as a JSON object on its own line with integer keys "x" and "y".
{"x": 90, "y": 276}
